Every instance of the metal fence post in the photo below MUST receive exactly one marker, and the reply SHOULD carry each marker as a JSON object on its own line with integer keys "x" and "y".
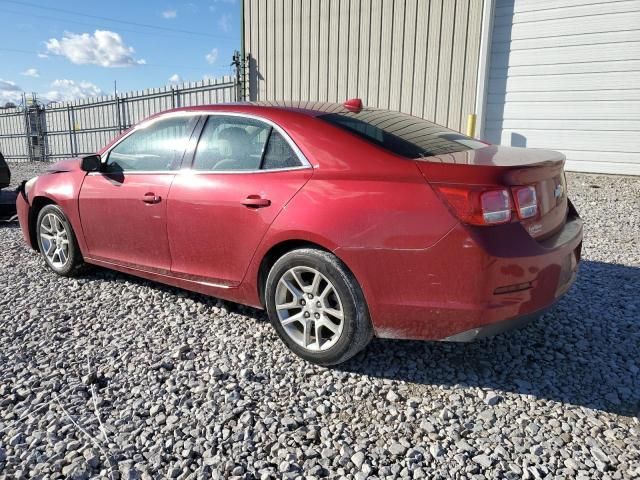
{"x": 124, "y": 113}
{"x": 75, "y": 135}
{"x": 118, "y": 116}
{"x": 71, "y": 130}
{"x": 27, "y": 127}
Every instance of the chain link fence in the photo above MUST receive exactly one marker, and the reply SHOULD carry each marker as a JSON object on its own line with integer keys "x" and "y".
{"x": 81, "y": 127}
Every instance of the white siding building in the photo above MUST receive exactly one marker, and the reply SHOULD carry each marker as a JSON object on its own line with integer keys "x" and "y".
{"x": 565, "y": 75}
{"x": 558, "y": 74}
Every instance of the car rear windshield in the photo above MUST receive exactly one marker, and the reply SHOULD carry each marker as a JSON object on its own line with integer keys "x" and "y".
{"x": 402, "y": 134}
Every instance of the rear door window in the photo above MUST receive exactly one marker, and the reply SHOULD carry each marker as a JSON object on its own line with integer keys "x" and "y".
{"x": 233, "y": 143}
{"x": 279, "y": 153}
{"x": 402, "y": 134}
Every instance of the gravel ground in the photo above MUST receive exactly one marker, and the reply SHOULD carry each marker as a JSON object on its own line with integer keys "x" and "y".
{"x": 113, "y": 377}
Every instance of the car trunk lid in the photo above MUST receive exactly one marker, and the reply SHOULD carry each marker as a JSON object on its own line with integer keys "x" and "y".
{"x": 496, "y": 166}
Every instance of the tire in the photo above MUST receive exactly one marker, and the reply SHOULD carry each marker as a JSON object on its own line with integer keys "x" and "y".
{"x": 66, "y": 259}
{"x": 334, "y": 310}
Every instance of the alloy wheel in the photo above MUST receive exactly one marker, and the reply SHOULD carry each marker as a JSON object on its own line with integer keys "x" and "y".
{"x": 309, "y": 308}
{"x": 54, "y": 238}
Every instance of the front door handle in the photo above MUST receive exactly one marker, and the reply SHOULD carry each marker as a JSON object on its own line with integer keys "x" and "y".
{"x": 256, "y": 201}
{"x": 151, "y": 198}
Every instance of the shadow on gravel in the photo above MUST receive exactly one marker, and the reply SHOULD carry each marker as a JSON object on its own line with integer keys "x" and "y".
{"x": 584, "y": 352}
{"x": 4, "y": 224}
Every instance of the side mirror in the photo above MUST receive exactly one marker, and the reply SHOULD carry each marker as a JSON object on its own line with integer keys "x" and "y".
{"x": 91, "y": 163}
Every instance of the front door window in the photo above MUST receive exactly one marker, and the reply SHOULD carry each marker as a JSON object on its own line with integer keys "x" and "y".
{"x": 155, "y": 148}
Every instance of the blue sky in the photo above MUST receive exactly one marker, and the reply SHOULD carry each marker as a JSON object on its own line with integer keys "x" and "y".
{"x": 62, "y": 50}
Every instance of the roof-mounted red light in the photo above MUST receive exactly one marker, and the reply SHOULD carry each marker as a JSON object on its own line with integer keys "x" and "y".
{"x": 353, "y": 105}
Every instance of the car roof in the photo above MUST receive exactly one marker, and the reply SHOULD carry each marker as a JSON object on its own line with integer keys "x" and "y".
{"x": 275, "y": 111}
{"x": 312, "y": 109}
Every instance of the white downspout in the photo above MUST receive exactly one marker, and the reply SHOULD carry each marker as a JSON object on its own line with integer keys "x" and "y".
{"x": 483, "y": 65}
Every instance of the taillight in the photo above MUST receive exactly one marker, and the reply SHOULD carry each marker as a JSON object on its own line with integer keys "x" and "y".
{"x": 489, "y": 205}
{"x": 526, "y": 201}
{"x": 477, "y": 205}
{"x": 496, "y": 206}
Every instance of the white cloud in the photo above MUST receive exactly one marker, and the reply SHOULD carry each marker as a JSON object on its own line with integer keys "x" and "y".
{"x": 9, "y": 92}
{"x": 168, "y": 14}
{"x": 224, "y": 22}
{"x": 43, "y": 55}
{"x": 104, "y": 48}
{"x": 212, "y": 56}
{"x": 31, "y": 72}
{"x": 175, "y": 78}
{"x": 62, "y": 90}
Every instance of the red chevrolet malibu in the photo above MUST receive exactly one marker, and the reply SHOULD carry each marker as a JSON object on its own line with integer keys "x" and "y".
{"x": 342, "y": 222}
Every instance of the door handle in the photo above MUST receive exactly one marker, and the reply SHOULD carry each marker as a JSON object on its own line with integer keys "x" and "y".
{"x": 151, "y": 198}
{"x": 256, "y": 201}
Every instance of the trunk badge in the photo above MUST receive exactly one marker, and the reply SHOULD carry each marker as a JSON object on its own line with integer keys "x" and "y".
{"x": 534, "y": 229}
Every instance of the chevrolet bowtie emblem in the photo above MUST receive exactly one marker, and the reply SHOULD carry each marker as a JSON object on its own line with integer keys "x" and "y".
{"x": 558, "y": 191}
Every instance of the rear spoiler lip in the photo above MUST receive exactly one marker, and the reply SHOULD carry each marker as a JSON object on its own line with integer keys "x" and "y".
{"x": 490, "y": 175}
{"x": 492, "y": 165}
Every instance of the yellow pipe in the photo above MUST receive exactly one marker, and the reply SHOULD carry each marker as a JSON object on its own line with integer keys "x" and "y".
{"x": 471, "y": 125}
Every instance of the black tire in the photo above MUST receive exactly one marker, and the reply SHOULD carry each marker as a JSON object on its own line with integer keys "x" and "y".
{"x": 356, "y": 331}
{"x": 74, "y": 261}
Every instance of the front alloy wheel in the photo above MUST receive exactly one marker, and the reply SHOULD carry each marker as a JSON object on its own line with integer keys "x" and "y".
{"x": 57, "y": 242}
{"x": 54, "y": 239}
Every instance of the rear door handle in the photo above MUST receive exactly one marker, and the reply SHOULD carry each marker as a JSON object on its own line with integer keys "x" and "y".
{"x": 256, "y": 201}
{"x": 151, "y": 198}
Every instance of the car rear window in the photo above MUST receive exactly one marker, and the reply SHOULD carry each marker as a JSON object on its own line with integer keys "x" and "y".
{"x": 402, "y": 134}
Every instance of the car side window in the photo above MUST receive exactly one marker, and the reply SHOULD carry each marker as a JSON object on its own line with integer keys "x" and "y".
{"x": 231, "y": 143}
{"x": 157, "y": 147}
{"x": 279, "y": 153}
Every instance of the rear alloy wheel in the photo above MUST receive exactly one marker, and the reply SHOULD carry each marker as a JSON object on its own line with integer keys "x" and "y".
{"x": 57, "y": 241}
{"x": 317, "y": 307}
{"x": 309, "y": 308}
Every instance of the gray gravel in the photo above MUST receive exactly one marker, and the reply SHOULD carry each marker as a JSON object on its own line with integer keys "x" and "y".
{"x": 114, "y": 377}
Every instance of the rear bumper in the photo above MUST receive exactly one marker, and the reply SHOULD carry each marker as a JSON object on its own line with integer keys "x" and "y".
{"x": 497, "y": 327}
{"x": 476, "y": 281}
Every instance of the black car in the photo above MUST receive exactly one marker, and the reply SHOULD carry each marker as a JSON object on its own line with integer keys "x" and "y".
{"x": 5, "y": 173}
{"x": 7, "y": 198}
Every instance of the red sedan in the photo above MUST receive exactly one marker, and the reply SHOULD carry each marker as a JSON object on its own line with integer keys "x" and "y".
{"x": 342, "y": 222}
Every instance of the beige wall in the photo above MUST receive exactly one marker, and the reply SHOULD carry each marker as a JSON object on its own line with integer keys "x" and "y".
{"x": 416, "y": 56}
